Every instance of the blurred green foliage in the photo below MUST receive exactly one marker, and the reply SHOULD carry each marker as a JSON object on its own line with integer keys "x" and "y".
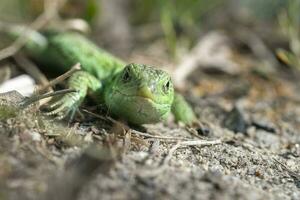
{"x": 27, "y": 10}
{"x": 289, "y": 22}
{"x": 14, "y": 10}
{"x": 178, "y": 19}
{"x": 264, "y": 9}
{"x": 91, "y": 10}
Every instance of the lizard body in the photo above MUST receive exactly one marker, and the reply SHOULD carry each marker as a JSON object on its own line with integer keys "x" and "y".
{"x": 139, "y": 94}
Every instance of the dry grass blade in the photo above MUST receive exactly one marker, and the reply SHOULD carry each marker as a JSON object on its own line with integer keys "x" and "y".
{"x": 59, "y": 79}
{"x": 35, "y": 98}
{"x": 159, "y": 137}
{"x": 289, "y": 25}
{"x": 291, "y": 173}
{"x": 135, "y": 132}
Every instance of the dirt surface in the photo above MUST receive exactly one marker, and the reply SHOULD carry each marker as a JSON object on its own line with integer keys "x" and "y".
{"x": 258, "y": 157}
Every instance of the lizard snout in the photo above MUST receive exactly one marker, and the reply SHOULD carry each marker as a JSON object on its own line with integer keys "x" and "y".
{"x": 145, "y": 92}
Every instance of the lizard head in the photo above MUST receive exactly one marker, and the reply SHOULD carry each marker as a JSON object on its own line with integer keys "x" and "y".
{"x": 140, "y": 94}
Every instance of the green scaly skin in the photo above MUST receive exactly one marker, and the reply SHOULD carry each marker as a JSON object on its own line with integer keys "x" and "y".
{"x": 139, "y": 94}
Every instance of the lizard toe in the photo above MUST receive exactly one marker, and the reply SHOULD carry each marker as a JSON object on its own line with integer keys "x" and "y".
{"x": 62, "y": 115}
{"x": 68, "y": 111}
{"x": 60, "y": 109}
{"x": 56, "y": 104}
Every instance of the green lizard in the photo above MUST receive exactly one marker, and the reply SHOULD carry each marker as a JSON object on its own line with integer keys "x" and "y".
{"x": 137, "y": 93}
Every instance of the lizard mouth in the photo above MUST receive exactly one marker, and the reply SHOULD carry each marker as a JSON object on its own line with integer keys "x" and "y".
{"x": 146, "y": 109}
{"x": 149, "y": 99}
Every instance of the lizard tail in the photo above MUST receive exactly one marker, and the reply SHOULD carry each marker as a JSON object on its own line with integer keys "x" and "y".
{"x": 36, "y": 42}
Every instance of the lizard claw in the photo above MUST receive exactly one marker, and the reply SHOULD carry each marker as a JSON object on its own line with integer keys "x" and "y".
{"x": 64, "y": 106}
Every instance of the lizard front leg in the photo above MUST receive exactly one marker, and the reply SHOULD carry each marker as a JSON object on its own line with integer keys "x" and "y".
{"x": 83, "y": 83}
{"x": 182, "y": 111}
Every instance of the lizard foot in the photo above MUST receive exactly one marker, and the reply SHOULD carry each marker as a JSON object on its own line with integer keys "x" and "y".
{"x": 65, "y": 106}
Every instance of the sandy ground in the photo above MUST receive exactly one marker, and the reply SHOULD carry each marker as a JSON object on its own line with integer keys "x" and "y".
{"x": 258, "y": 156}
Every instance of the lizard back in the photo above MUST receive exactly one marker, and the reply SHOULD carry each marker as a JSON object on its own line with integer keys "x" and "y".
{"x": 66, "y": 49}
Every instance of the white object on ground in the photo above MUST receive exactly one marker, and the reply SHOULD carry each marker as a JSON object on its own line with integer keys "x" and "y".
{"x": 24, "y": 84}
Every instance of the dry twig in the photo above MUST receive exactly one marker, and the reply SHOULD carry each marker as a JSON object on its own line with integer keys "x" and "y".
{"x": 31, "y": 69}
{"x": 212, "y": 50}
{"x": 173, "y": 150}
{"x": 50, "y": 12}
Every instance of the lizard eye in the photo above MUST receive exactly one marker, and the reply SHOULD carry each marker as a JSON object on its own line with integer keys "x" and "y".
{"x": 166, "y": 87}
{"x": 126, "y": 75}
